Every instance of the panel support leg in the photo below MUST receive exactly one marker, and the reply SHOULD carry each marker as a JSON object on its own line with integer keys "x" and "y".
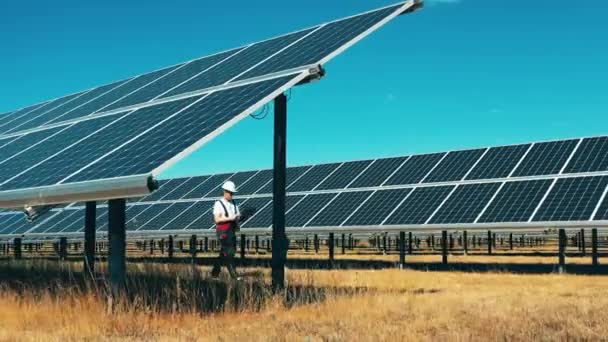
{"x": 170, "y": 247}
{"x": 410, "y": 241}
{"x": 444, "y": 247}
{"x": 117, "y": 265}
{"x": 193, "y": 248}
{"x": 63, "y": 248}
{"x": 343, "y": 244}
{"x": 17, "y": 248}
{"x": 330, "y": 243}
{"x": 489, "y": 242}
{"x": 583, "y": 244}
{"x": 594, "y": 255}
{"x": 465, "y": 243}
{"x": 562, "y": 250}
{"x": 243, "y": 245}
{"x": 89, "y": 237}
{"x": 279, "y": 237}
{"x": 402, "y": 249}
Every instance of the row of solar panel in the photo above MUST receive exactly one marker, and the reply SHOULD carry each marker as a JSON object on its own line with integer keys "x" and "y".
{"x": 286, "y": 52}
{"x": 125, "y": 144}
{"x": 542, "y": 200}
{"x": 547, "y": 158}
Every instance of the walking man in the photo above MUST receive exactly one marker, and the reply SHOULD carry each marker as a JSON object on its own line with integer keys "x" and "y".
{"x": 227, "y": 216}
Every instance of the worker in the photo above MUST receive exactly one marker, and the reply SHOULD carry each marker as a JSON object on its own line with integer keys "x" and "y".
{"x": 226, "y": 215}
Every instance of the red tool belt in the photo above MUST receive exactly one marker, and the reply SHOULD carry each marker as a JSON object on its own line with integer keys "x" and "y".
{"x": 223, "y": 227}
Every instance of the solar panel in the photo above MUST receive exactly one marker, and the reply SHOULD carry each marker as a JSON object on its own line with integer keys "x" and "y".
{"x": 547, "y": 158}
{"x": 255, "y": 183}
{"x": 465, "y": 203}
{"x": 292, "y": 175}
{"x": 454, "y": 166}
{"x": 415, "y": 168}
{"x": 306, "y": 209}
{"x": 419, "y": 205}
{"x": 602, "y": 212}
{"x": 181, "y": 190}
{"x": 165, "y": 216}
{"x": 313, "y": 177}
{"x": 591, "y": 156}
{"x": 516, "y": 201}
{"x": 25, "y": 116}
{"x": 344, "y": 175}
{"x": 572, "y": 199}
{"x": 190, "y": 216}
{"x": 175, "y": 110}
{"x": 172, "y": 80}
{"x": 204, "y": 189}
{"x": 498, "y": 162}
{"x": 336, "y": 212}
{"x": 237, "y": 178}
{"x": 378, "y": 172}
{"x": 377, "y": 208}
{"x": 263, "y": 218}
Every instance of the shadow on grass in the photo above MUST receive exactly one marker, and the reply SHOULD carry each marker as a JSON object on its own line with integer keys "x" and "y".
{"x": 162, "y": 289}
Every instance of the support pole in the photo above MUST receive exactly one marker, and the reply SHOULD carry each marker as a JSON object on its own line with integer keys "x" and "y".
{"x": 343, "y": 244}
{"x": 594, "y": 255}
{"x": 117, "y": 265}
{"x": 563, "y": 240}
{"x": 63, "y": 248}
{"x": 511, "y": 241}
{"x": 243, "y": 245}
{"x": 465, "y": 242}
{"x": 410, "y": 241}
{"x": 89, "y": 237}
{"x": 17, "y": 248}
{"x": 316, "y": 243}
{"x": 583, "y": 244}
{"x": 402, "y": 249}
{"x": 170, "y": 247}
{"x": 193, "y": 248}
{"x": 444, "y": 247}
{"x": 330, "y": 244}
{"x": 489, "y": 242}
{"x": 279, "y": 238}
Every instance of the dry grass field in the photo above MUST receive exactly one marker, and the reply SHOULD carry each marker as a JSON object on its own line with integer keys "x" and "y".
{"x": 171, "y": 303}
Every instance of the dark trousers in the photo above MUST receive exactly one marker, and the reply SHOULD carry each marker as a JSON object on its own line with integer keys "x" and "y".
{"x": 226, "y": 257}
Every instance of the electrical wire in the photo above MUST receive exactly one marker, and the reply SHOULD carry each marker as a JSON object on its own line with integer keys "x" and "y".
{"x": 262, "y": 113}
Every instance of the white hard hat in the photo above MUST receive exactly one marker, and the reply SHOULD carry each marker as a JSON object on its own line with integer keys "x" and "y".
{"x": 229, "y": 186}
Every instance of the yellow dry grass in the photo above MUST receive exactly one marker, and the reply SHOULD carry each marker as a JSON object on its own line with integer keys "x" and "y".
{"x": 355, "y": 306}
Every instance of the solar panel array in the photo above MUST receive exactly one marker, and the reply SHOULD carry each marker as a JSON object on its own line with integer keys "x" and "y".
{"x": 411, "y": 191}
{"x": 143, "y": 124}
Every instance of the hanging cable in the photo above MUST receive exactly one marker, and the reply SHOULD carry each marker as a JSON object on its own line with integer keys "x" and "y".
{"x": 261, "y": 114}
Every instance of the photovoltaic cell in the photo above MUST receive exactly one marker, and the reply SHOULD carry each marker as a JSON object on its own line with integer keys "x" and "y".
{"x": 138, "y": 222}
{"x": 255, "y": 183}
{"x": 591, "y": 156}
{"x": 164, "y": 217}
{"x": 454, "y": 166}
{"x": 44, "y": 115}
{"x": 516, "y": 201}
{"x": 546, "y": 158}
{"x": 321, "y": 43}
{"x": 377, "y": 208}
{"x": 13, "y": 125}
{"x": 58, "y": 113}
{"x": 344, "y": 175}
{"x": 172, "y": 80}
{"x": 378, "y": 172}
{"x": 498, "y": 162}
{"x": 572, "y": 199}
{"x": 263, "y": 218}
{"x": 23, "y": 142}
{"x": 340, "y": 209}
{"x": 602, "y": 213}
{"x": 190, "y": 215}
{"x": 259, "y": 205}
{"x": 175, "y": 135}
{"x": 180, "y": 191}
{"x": 419, "y": 206}
{"x": 36, "y": 155}
{"x": 164, "y": 189}
{"x": 313, "y": 177}
{"x": 16, "y": 115}
{"x": 307, "y": 208}
{"x": 291, "y": 175}
{"x": 238, "y": 64}
{"x": 414, "y": 170}
{"x": 115, "y": 94}
{"x": 465, "y": 203}
{"x": 238, "y": 178}
{"x": 205, "y": 187}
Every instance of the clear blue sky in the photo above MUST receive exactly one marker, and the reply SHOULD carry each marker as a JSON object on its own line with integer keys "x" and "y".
{"x": 458, "y": 74}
